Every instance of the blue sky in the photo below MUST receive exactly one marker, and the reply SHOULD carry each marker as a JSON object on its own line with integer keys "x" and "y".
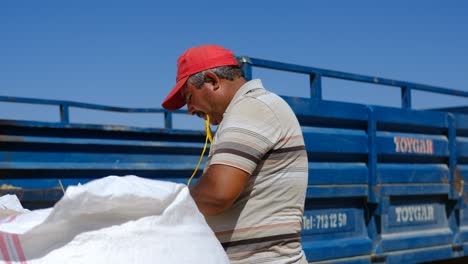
{"x": 123, "y": 53}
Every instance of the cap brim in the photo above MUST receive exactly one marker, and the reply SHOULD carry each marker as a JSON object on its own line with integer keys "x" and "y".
{"x": 174, "y": 100}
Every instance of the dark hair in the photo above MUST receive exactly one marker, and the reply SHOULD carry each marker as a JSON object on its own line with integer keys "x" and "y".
{"x": 225, "y": 72}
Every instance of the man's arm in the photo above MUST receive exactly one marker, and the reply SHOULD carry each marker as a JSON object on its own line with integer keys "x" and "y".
{"x": 218, "y": 188}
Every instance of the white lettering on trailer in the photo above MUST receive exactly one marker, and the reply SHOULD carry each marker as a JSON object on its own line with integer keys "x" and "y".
{"x": 324, "y": 221}
{"x": 413, "y": 145}
{"x": 415, "y": 213}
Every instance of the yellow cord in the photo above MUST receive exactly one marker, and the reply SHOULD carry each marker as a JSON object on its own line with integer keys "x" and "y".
{"x": 208, "y": 129}
{"x": 209, "y": 137}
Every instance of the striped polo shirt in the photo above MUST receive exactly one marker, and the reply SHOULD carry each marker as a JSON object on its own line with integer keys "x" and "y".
{"x": 260, "y": 134}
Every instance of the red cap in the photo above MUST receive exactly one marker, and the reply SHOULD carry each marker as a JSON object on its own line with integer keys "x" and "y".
{"x": 194, "y": 60}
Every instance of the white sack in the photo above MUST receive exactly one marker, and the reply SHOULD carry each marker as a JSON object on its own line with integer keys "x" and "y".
{"x": 114, "y": 220}
{"x": 11, "y": 202}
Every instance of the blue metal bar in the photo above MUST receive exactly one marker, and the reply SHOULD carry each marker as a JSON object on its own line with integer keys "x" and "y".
{"x": 79, "y": 105}
{"x": 167, "y": 119}
{"x": 315, "y": 86}
{"x": 406, "y": 97}
{"x": 64, "y": 114}
{"x": 352, "y": 77}
{"x": 459, "y": 109}
{"x": 456, "y": 182}
{"x": 372, "y": 155}
{"x": 65, "y": 108}
{"x": 246, "y": 66}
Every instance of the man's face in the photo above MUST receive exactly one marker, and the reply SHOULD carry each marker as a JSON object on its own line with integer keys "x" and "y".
{"x": 199, "y": 101}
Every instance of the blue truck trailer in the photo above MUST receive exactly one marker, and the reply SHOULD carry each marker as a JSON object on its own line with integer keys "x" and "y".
{"x": 386, "y": 184}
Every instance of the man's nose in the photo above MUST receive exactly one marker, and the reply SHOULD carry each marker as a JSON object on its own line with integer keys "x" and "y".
{"x": 190, "y": 109}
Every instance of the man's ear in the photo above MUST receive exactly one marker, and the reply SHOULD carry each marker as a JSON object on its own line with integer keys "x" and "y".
{"x": 212, "y": 79}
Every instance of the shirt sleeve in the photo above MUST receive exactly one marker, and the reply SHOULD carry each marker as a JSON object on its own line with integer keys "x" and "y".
{"x": 247, "y": 133}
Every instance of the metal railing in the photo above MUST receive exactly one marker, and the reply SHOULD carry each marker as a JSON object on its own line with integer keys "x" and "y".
{"x": 65, "y": 106}
{"x": 315, "y": 74}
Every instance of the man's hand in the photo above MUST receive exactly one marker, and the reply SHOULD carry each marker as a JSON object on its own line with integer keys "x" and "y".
{"x": 218, "y": 188}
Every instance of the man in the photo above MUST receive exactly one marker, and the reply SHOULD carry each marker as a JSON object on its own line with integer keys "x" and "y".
{"x": 252, "y": 190}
